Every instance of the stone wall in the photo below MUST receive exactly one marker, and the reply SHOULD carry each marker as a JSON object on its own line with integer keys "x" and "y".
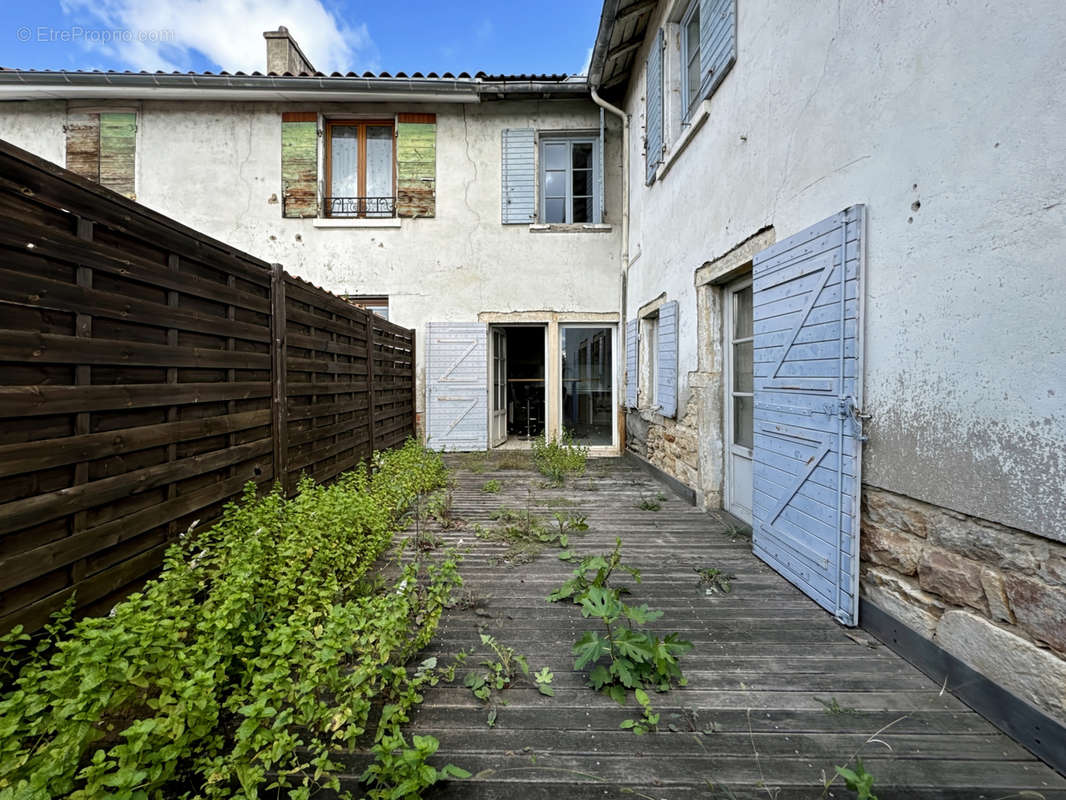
{"x": 671, "y": 445}
{"x": 992, "y": 596}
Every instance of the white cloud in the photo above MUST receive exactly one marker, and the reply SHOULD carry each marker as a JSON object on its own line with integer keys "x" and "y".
{"x": 588, "y": 63}
{"x": 226, "y": 32}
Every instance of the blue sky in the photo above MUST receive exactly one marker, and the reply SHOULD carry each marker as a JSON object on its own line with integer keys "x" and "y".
{"x": 546, "y": 36}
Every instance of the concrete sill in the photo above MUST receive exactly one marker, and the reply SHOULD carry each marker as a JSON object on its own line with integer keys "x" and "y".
{"x": 582, "y": 228}
{"x": 681, "y": 142}
{"x": 384, "y": 222}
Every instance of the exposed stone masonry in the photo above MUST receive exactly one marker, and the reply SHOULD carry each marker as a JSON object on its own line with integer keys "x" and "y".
{"x": 992, "y": 596}
{"x": 671, "y": 445}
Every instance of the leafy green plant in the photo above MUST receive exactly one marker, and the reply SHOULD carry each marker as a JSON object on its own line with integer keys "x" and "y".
{"x": 715, "y": 579}
{"x": 649, "y": 720}
{"x": 499, "y": 672}
{"x": 526, "y": 534}
{"x": 833, "y": 707}
{"x": 557, "y": 458}
{"x": 651, "y": 502}
{"x": 858, "y": 780}
{"x": 258, "y": 652}
{"x": 633, "y": 658}
{"x": 401, "y": 772}
{"x": 491, "y": 486}
{"x": 440, "y": 506}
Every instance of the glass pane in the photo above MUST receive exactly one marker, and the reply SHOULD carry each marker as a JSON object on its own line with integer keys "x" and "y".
{"x": 742, "y": 325}
{"x": 555, "y": 155}
{"x": 692, "y": 36}
{"x": 742, "y": 352}
{"x": 587, "y": 385}
{"x": 344, "y": 161}
{"x": 582, "y": 155}
{"x": 555, "y": 210}
{"x": 693, "y": 79}
{"x": 379, "y": 170}
{"x": 582, "y": 182}
{"x": 582, "y": 209}
{"x": 743, "y": 424}
{"x": 555, "y": 184}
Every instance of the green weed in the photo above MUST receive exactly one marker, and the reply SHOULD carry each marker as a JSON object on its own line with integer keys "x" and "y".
{"x": 491, "y": 486}
{"x": 555, "y": 459}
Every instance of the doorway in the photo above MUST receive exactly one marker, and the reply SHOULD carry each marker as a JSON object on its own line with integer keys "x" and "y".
{"x": 588, "y": 403}
{"x": 517, "y": 380}
{"x": 739, "y": 427}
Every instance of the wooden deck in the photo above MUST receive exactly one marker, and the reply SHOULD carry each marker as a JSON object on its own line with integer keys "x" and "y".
{"x": 788, "y": 692}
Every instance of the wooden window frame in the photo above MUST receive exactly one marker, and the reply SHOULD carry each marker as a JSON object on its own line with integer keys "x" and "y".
{"x": 361, "y": 125}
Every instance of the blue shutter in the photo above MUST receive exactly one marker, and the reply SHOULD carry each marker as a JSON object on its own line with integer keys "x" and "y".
{"x": 632, "y": 378}
{"x": 666, "y": 360}
{"x": 807, "y": 294}
{"x": 519, "y": 190}
{"x": 457, "y": 386}
{"x": 718, "y": 42}
{"x": 653, "y": 116}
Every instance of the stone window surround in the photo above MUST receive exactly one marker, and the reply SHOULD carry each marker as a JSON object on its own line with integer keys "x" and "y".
{"x": 645, "y": 361}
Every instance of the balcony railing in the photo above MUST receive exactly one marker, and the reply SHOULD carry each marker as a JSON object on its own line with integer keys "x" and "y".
{"x": 374, "y": 207}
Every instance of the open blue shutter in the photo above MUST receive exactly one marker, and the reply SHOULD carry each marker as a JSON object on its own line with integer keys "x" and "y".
{"x": 631, "y": 364}
{"x": 457, "y": 386}
{"x": 718, "y": 42}
{"x": 666, "y": 361}
{"x": 653, "y": 116}
{"x": 807, "y": 294}
{"x": 519, "y": 188}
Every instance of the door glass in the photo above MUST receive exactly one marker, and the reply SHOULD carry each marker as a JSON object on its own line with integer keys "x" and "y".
{"x": 587, "y": 404}
{"x": 743, "y": 424}
{"x": 742, "y": 366}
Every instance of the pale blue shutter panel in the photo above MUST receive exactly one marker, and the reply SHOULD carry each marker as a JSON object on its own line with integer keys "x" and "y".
{"x": 718, "y": 42}
{"x": 807, "y": 294}
{"x": 519, "y": 188}
{"x": 457, "y": 386}
{"x": 653, "y": 116}
{"x": 666, "y": 361}
{"x": 632, "y": 377}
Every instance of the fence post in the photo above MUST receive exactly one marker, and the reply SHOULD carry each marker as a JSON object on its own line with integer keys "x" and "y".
{"x": 414, "y": 386}
{"x": 370, "y": 378}
{"x": 279, "y": 413}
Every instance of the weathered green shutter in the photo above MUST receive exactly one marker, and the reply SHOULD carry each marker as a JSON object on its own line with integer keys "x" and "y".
{"x": 118, "y": 150}
{"x": 416, "y": 165}
{"x": 299, "y": 164}
{"x": 83, "y": 144}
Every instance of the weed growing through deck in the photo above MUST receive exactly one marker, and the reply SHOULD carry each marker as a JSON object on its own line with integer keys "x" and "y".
{"x": 833, "y": 707}
{"x": 527, "y": 534}
{"x": 499, "y": 673}
{"x": 649, "y": 720}
{"x": 491, "y": 486}
{"x": 635, "y": 658}
{"x": 715, "y": 579}
{"x": 440, "y": 505}
{"x": 555, "y": 459}
{"x": 651, "y": 502}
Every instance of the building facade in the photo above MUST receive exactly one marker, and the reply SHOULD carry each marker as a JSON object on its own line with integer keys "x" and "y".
{"x": 917, "y": 392}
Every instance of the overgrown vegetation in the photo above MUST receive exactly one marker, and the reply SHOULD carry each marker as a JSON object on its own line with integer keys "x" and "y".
{"x": 556, "y": 459}
{"x": 491, "y": 486}
{"x": 258, "y": 652}
{"x": 526, "y": 534}
{"x": 651, "y": 502}
{"x": 623, "y": 656}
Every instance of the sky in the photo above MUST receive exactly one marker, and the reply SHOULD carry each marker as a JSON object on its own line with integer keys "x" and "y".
{"x": 548, "y": 36}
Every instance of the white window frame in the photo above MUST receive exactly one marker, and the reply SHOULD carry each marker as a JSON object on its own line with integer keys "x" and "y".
{"x": 687, "y": 105}
{"x": 612, "y": 371}
{"x": 570, "y": 139}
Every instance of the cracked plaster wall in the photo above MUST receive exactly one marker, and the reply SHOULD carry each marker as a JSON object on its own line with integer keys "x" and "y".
{"x": 958, "y": 158}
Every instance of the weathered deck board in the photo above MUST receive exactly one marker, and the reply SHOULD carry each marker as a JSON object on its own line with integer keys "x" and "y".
{"x": 766, "y": 662}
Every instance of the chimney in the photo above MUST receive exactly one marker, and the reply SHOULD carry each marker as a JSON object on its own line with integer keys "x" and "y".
{"x": 284, "y": 55}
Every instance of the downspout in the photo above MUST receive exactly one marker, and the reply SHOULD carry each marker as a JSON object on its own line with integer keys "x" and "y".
{"x": 624, "y": 255}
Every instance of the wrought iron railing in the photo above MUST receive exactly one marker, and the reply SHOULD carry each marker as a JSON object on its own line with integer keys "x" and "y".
{"x": 373, "y": 207}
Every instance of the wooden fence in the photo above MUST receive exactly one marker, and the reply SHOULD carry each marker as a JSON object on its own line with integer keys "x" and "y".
{"x": 147, "y": 372}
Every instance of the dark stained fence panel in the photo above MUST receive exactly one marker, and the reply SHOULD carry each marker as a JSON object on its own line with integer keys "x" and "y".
{"x": 147, "y": 373}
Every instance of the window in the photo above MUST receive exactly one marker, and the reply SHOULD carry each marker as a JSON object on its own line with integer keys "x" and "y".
{"x": 360, "y": 169}
{"x": 377, "y": 304}
{"x": 690, "y": 57}
{"x": 568, "y": 180}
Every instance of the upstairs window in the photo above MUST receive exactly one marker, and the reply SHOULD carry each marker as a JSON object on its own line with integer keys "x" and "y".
{"x": 377, "y": 304}
{"x": 568, "y": 180}
{"x": 360, "y": 169}
{"x": 690, "y": 57}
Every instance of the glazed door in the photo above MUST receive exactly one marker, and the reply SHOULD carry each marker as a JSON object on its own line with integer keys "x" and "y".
{"x": 498, "y": 423}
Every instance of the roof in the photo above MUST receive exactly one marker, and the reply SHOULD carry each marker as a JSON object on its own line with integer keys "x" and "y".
{"x": 18, "y": 84}
{"x": 623, "y": 24}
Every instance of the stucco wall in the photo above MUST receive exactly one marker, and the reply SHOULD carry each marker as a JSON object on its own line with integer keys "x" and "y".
{"x": 217, "y": 167}
{"x": 946, "y": 121}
